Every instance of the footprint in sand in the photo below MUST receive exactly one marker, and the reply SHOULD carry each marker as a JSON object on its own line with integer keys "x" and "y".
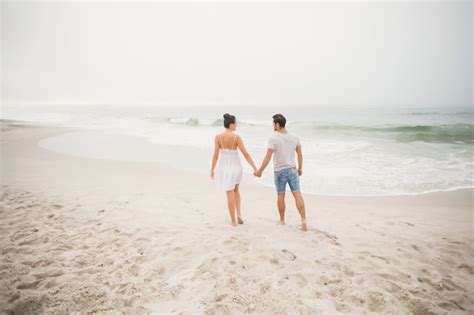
{"x": 48, "y": 274}
{"x": 329, "y": 237}
{"x": 221, "y": 297}
{"x": 469, "y": 269}
{"x": 415, "y": 248}
{"x": 288, "y": 254}
{"x": 376, "y": 302}
{"x": 159, "y": 271}
{"x": 241, "y": 245}
{"x": 390, "y": 286}
{"x": 15, "y": 296}
{"x": 29, "y": 242}
{"x": 451, "y": 306}
{"x": 38, "y": 263}
{"x": 274, "y": 261}
{"x": 453, "y": 242}
{"x": 134, "y": 270}
{"x": 437, "y": 259}
{"x": 381, "y": 258}
{"x": 264, "y": 287}
{"x": 29, "y": 285}
{"x": 300, "y": 280}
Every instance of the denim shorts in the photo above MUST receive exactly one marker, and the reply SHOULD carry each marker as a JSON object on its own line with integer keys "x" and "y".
{"x": 287, "y": 175}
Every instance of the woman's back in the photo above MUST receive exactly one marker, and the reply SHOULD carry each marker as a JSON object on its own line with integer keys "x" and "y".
{"x": 227, "y": 141}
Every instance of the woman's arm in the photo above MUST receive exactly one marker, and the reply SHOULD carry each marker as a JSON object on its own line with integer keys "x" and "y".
{"x": 240, "y": 144}
{"x": 215, "y": 156}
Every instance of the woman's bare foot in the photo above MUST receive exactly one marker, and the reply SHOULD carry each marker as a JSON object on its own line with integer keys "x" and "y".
{"x": 233, "y": 223}
{"x": 240, "y": 220}
{"x": 281, "y": 222}
{"x": 304, "y": 227}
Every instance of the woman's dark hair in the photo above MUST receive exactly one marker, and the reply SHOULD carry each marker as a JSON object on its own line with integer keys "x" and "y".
{"x": 279, "y": 119}
{"x": 228, "y": 119}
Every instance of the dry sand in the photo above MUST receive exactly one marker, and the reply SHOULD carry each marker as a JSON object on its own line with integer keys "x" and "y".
{"x": 89, "y": 235}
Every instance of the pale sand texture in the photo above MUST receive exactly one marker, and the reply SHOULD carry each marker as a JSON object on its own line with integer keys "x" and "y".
{"x": 92, "y": 235}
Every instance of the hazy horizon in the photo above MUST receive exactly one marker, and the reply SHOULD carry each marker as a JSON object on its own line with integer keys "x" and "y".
{"x": 384, "y": 54}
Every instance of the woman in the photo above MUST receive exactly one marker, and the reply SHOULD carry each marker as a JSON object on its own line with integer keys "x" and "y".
{"x": 229, "y": 172}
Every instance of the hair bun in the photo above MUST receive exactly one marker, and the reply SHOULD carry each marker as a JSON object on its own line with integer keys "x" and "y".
{"x": 226, "y": 115}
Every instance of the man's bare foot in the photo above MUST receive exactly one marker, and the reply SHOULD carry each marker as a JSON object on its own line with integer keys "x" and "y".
{"x": 281, "y": 222}
{"x": 240, "y": 220}
{"x": 304, "y": 227}
{"x": 233, "y": 223}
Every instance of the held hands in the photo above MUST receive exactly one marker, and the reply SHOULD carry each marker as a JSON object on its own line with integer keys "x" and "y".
{"x": 257, "y": 173}
{"x": 212, "y": 174}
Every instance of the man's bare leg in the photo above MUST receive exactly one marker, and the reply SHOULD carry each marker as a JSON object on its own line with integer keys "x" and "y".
{"x": 301, "y": 209}
{"x": 231, "y": 206}
{"x": 281, "y": 207}
{"x": 237, "y": 204}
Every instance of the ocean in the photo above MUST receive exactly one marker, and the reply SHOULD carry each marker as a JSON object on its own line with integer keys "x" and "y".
{"x": 347, "y": 151}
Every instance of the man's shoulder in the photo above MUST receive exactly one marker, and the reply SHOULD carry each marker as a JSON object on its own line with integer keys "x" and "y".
{"x": 274, "y": 136}
{"x": 294, "y": 136}
{"x": 290, "y": 135}
{"x": 278, "y": 135}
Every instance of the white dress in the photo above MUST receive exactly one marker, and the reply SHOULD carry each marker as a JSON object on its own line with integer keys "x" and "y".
{"x": 229, "y": 171}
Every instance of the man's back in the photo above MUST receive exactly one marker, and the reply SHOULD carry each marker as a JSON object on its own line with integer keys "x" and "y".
{"x": 284, "y": 148}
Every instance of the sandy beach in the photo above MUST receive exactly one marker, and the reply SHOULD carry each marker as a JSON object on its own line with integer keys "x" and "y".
{"x": 109, "y": 112}
{"x": 97, "y": 235}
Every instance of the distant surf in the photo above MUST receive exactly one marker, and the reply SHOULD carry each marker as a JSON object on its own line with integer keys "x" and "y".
{"x": 456, "y": 133}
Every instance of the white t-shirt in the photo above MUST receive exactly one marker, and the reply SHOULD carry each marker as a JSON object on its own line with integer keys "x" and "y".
{"x": 284, "y": 148}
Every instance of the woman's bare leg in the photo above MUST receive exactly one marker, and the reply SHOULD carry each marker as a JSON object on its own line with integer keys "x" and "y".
{"x": 231, "y": 205}
{"x": 237, "y": 204}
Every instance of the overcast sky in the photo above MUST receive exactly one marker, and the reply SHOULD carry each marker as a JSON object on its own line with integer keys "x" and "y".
{"x": 340, "y": 53}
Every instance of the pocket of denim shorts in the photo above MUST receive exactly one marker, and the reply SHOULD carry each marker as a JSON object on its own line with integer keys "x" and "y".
{"x": 295, "y": 174}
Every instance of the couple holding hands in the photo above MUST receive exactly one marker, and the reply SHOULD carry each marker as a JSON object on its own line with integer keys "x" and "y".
{"x": 282, "y": 146}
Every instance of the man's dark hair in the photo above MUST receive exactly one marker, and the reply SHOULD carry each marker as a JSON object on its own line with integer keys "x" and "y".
{"x": 279, "y": 119}
{"x": 228, "y": 119}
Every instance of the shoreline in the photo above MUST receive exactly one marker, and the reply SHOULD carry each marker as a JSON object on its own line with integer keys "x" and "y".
{"x": 148, "y": 147}
{"x": 143, "y": 236}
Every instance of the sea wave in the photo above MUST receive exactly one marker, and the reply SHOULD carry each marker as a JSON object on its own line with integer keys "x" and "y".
{"x": 194, "y": 121}
{"x": 457, "y": 133}
{"x": 441, "y": 113}
{"x": 448, "y": 133}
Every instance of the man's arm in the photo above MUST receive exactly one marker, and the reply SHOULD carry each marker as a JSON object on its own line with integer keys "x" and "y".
{"x": 300, "y": 159}
{"x": 265, "y": 162}
{"x": 241, "y": 146}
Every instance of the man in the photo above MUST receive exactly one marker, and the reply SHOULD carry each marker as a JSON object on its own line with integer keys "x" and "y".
{"x": 283, "y": 145}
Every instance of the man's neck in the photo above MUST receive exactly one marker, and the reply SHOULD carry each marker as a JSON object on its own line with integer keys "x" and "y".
{"x": 282, "y": 130}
